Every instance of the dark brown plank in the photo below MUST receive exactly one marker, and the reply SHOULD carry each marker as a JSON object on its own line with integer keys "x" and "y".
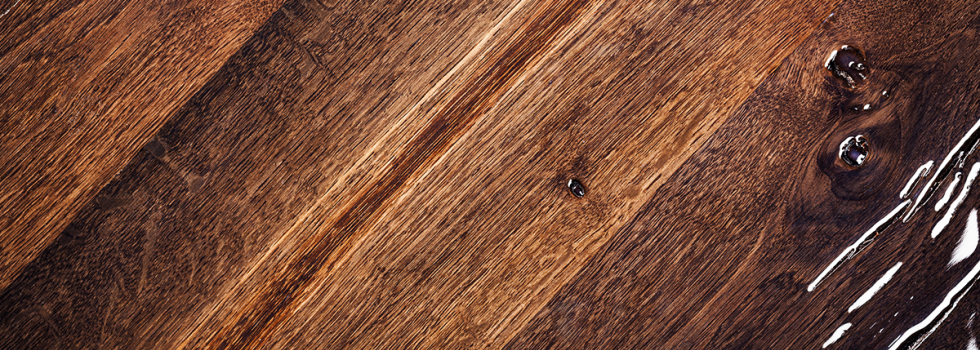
{"x": 723, "y": 254}
{"x": 83, "y": 84}
{"x": 293, "y": 115}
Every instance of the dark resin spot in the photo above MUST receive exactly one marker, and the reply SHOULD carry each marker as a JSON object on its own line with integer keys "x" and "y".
{"x": 576, "y": 188}
{"x": 848, "y": 64}
{"x": 156, "y": 147}
{"x": 107, "y": 203}
{"x": 854, "y": 150}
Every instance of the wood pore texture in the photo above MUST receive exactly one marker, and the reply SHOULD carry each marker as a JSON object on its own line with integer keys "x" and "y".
{"x": 317, "y": 174}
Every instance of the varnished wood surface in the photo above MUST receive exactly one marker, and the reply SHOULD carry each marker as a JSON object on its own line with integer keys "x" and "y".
{"x": 724, "y": 257}
{"x": 392, "y": 175}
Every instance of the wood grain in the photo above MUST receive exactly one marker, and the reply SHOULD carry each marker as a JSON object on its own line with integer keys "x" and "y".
{"x": 83, "y": 85}
{"x": 199, "y": 226}
{"x": 723, "y": 255}
{"x": 467, "y": 253}
{"x": 393, "y": 174}
{"x": 284, "y": 121}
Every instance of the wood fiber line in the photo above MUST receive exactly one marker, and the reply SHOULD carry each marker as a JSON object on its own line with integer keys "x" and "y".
{"x": 83, "y": 85}
{"x": 959, "y": 330}
{"x": 722, "y": 255}
{"x": 21, "y": 19}
{"x": 277, "y": 297}
{"x": 296, "y": 113}
{"x": 471, "y": 247}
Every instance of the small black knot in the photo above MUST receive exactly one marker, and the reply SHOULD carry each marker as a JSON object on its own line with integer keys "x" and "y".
{"x": 854, "y": 150}
{"x": 847, "y": 64}
{"x": 156, "y": 147}
{"x": 576, "y": 188}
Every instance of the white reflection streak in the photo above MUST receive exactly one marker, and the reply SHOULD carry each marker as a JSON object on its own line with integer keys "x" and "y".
{"x": 852, "y": 250}
{"x": 930, "y": 186}
{"x": 968, "y": 242}
{"x": 874, "y": 288}
{"x": 919, "y": 174}
{"x": 974, "y": 171}
{"x": 9, "y": 8}
{"x": 937, "y": 316}
{"x": 949, "y": 191}
{"x": 837, "y": 334}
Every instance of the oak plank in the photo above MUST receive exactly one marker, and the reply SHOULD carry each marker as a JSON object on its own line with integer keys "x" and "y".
{"x": 468, "y": 248}
{"x": 372, "y": 152}
{"x": 724, "y": 253}
{"x": 290, "y": 117}
{"x": 83, "y": 85}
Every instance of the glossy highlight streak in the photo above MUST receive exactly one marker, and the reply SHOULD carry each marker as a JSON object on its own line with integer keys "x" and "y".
{"x": 251, "y": 327}
{"x": 919, "y": 174}
{"x": 968, "y": 242}
{"x": 959, "y": 153}
{"x": 915, "y": 336}
{"x": 949, "y": 191}
{"x": 837, "y": 334}
{"x": 974, "y": 171}
{"x": 9, "y": 8}
{"x": 861, "y": 243}
{"x": 870, "y": 293}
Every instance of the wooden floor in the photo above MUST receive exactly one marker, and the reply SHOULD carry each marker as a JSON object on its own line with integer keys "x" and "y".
{"x": 520, "y": 174}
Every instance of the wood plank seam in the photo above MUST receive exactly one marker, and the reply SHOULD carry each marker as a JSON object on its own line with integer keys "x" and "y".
{"x": 474, "y": 99}
{"x": 61, "y": 96}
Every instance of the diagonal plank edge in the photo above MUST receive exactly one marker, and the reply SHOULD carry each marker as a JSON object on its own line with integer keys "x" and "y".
{"x": 84, "y": 85}
{"x": 483, "y": 86}
{"x": 468, "y": 251}
{"x": 296, "y": 114}
{"x": 254, "y": 194}
{"x": 722, "y": 256}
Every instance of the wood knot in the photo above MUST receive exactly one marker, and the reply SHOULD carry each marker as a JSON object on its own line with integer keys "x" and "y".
{"x": 576, "y": 188}
{"x": 848, "y": 65}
